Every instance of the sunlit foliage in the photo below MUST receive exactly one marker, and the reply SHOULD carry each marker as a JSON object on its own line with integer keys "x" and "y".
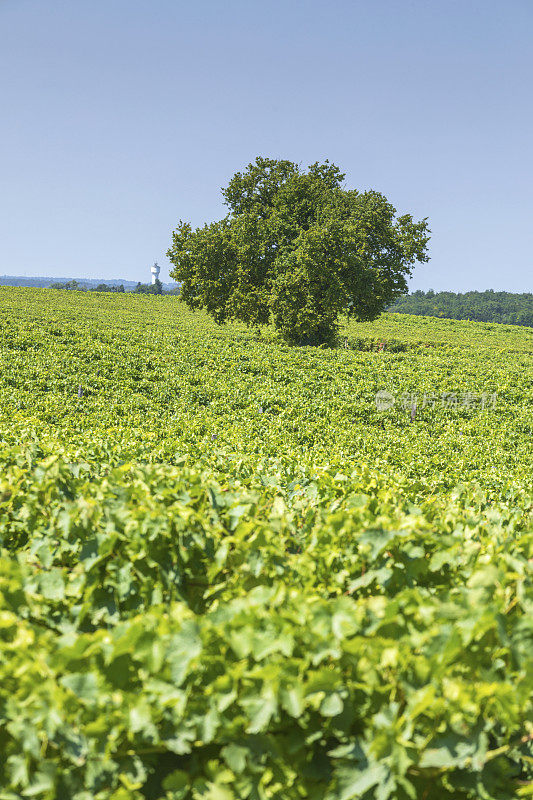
{"x": 225, "y": 574}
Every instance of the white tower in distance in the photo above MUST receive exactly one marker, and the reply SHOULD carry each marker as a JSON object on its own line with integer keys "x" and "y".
{"x": 155, "y": 270}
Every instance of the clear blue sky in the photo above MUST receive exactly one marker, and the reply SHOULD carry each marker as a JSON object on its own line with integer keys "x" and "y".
{"x": 119, "y": 117}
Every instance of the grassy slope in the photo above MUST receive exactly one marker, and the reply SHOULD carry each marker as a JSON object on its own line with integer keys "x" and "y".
{"x": 223, "y": 564}
{"x": 184, "y": 385}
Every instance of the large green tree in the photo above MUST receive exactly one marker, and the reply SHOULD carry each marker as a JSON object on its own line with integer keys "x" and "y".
{"x": 299, "y": 250}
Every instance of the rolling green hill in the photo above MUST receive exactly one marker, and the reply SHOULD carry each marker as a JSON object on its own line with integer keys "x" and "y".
{"x": 235, "y": 569}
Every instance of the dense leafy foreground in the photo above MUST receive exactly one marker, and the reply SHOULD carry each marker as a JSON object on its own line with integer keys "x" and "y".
{"x": 226, "y": 573}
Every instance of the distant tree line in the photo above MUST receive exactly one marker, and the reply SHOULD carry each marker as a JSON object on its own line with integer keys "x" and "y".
{"x": 104, "y": 287}
{"x": 141, "y": 288}
{"x": 155, "y": 288}
{"x": 149, "y": 288}
{"x": 79, "y": 287}
{"x": 73, "y": 284}
{"x": 488, "y": 306}
{"x": 80, "y": 284}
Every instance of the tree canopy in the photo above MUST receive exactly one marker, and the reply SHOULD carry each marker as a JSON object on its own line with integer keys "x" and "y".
{"x": 488, "y": 306}
{"x": 297, "y": 249}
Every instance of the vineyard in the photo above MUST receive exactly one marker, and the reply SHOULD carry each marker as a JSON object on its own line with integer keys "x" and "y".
{"x": 228, "y": 573}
